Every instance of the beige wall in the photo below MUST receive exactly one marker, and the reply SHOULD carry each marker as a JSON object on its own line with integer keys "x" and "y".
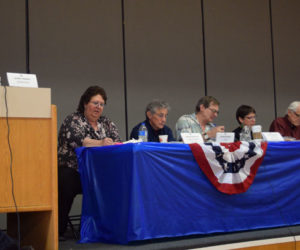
{"x": 73, "y": 46}
{"x": 239, "y": 58}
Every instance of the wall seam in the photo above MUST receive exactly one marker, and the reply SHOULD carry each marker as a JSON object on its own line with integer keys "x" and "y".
{"x": 273, "y": 64}
{"x": 27, "y": 36}
{"x": 124, "y": 68}
{"x": 203, "y": 48}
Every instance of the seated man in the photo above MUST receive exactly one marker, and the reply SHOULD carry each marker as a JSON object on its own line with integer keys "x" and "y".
{"x": 207, "y": 109}
{"x": 156, "y": 117}
{"x": 289, "y": 125}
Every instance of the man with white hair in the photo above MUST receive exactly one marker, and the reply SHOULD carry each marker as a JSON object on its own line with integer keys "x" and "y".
{"x": 289, "y": 125}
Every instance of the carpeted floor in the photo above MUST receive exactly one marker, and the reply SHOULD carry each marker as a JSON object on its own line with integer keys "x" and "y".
{"x": 190, "y": 242}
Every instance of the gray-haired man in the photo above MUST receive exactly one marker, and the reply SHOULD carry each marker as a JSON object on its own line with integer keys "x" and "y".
{"x": 289, "y": 125}
{"x": 156, "y": 118}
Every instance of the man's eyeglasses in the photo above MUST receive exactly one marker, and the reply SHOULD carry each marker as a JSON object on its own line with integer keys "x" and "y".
{"x": 214, "y": 111}
{"x": 98, "y": 104}
{"x": 160, "y": 115}
{"x": 298, "y": 115}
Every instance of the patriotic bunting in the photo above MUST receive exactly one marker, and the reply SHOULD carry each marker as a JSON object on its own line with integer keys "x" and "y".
{"x": 230, "y": 167}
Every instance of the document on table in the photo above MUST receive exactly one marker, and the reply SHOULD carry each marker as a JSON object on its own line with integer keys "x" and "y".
{"x": 189, "y": 138}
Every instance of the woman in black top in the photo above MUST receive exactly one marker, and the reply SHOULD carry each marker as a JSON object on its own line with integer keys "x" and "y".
{"x": 246, "y": 116}
{"x": 85, "y": 127}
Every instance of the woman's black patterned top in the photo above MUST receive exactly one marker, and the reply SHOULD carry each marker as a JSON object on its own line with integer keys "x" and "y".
{"x": 73, "y": 131}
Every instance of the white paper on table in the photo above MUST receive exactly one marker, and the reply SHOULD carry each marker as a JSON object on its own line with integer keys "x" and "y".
{"x": 272, "y": 136}
{"x": 189, "y": 138}
{"x": 225, "y": 137}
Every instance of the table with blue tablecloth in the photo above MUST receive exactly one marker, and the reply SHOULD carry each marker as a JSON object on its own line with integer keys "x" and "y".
{"x": 153, "y": 190}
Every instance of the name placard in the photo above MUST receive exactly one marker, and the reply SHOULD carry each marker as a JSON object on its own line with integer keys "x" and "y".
{"x": 227, "y": 137}
{"x": 272, "y": 136}
{"x": 22, "y": 80}
{"x": 189, "y": 138}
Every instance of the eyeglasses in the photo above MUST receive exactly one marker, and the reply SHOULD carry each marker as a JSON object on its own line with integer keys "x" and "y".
{"x": 298, "y": 115}
{"x": 250, "y": 117}
{"x": 214, "y": 111}
{"x": 160, "y": 115}
{"x": 98, "y": 104}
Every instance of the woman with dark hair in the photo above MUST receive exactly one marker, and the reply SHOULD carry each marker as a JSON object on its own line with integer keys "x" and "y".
{"x": 86, "y": 127}
{"x": 245, "y": 116}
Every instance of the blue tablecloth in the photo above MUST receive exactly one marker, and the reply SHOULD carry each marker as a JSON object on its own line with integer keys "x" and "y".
{"x": 151, "y": 190}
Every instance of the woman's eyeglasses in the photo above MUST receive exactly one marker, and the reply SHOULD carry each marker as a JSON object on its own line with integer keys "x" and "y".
{"x": 250, "y": 117}
{"x": 98, "y": 104}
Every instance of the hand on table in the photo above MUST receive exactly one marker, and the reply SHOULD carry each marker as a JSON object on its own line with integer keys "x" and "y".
{"x": 212, "y": 133}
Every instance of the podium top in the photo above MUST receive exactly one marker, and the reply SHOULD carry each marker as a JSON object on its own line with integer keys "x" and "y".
{"x": 26, "y": 102}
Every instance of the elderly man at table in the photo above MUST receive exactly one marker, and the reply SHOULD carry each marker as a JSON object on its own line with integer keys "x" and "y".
{"x": 289, "y": 125}
{"x": 156, "y": 118}
{"x": 207, "y": 109}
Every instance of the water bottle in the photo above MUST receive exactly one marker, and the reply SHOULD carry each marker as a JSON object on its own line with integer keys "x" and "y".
{"x": 143, "y": 133}
{"x": 245, "y": 135}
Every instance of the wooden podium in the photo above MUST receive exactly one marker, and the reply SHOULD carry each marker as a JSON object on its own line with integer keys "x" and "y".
{"x": 32, "y": 163}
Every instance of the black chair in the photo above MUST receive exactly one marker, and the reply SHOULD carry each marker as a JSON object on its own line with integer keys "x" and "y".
{"x": 74, "y": 224}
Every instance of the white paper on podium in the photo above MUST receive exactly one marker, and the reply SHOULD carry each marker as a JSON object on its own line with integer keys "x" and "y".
{"x": 225, "y": 137}
{"x": 22, "y": 80}
{"x": 272, "y": 136}
{"x": 189, "y": 138}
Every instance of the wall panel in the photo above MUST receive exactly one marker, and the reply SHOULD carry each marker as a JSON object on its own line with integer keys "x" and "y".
{"x": 13, "y": 39}
{"x": 239, "y": 58}
{"x": 12, "y": 46}
{"x": 74, "y": 46}
{"x": 77, "y": 44}
{"x": 163, "y": 56}
{"x": 286, "y": 30}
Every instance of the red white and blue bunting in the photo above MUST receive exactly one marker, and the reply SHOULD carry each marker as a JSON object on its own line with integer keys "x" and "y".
{"x": 230, "y": 167}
